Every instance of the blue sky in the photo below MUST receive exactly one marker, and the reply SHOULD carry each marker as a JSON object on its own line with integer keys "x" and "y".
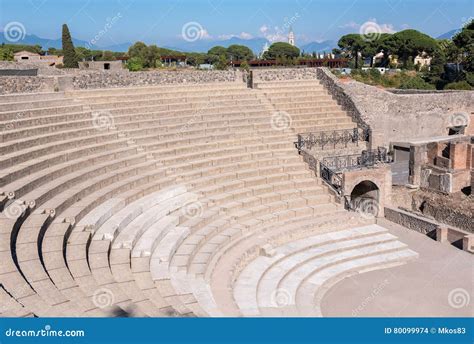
{"x": 161, "y": 22}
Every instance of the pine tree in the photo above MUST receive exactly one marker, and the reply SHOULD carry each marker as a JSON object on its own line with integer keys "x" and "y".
{"x": 70, "y": 58}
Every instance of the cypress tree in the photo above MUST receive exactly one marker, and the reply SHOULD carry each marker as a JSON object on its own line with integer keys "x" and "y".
{"x": 70, "y": 58}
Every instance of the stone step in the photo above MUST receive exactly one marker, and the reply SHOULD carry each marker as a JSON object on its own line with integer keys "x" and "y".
{"x": 268, "y": 277}
{"x": 28, "y": 97}
{"x": 40, "y": 103}
{"x": 170, "y": 88}
{"x": 9, "y": 119}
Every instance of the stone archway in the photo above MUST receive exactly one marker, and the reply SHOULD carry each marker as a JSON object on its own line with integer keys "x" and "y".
{"x": 365, "y": 198}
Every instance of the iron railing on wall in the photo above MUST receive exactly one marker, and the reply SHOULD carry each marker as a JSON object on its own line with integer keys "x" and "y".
{"x": 330, "y": 169}
{"x": 332, "y": 178}
{"x": 325, "y": 139}
{"x": 367, "y": 158}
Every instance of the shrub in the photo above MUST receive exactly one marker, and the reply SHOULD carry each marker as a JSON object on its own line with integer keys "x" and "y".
{"x": 375, "y": 74}
{"x": 470, "y": 78}
{"x": 460, "y": 85}
{"x": 415, "y": 83}
{"x": 135, "y": 64}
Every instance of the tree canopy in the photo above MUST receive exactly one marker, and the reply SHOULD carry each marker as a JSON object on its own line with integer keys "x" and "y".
{"x": 409, "y": 43}
{"x": 464, "y": 42}
{"x": 239, "y": 52}
{"x": 352, "y": 44}
{"x": 281, "y": 50}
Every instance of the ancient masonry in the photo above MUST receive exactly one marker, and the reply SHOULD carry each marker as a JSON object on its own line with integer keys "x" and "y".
{"x": 175, "y": 194}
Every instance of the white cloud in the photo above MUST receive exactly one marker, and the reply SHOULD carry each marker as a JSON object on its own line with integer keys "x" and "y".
{"x": 275, "y": 34}
{"x": 245, "y": 35}
{"x": 350, "y": 25}
{"x": 242, "y": 35}
{"x": 384, "y": 28}
{"x": 204, "y": 34}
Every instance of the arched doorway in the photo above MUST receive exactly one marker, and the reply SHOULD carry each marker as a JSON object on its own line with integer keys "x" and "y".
{"x": 365, "y": 198}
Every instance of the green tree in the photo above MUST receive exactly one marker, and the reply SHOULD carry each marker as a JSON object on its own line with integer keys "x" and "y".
{"x": 352, "y": 45}
{"x": 135, "y": 64}
{"x": 373, "y": 47}
{"x": 281, "y": 50}
{"x": 239, "y": 52}
{"x": 435, "y": 73}
{"x": 6, "y": 54}
{"x": 54, "y": 51}
{"x": 222, "y": 63}
{"x": 407, "y": 44}
{"x": 108, "y": 56}
{"x": 464, "y": 42}
{"x": 215, "y": 53}
{"x": 217, "y": 50}
{"x": 70, "y": 58}
{"x": 153, "y": 54}
{"x": 195, "y": 59}
{"x": 139, "y": 50}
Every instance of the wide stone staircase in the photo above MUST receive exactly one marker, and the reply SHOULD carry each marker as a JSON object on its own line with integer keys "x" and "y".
{"x": 156, "y": 201}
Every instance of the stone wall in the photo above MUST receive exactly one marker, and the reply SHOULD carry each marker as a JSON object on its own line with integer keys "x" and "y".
{"x": 334, "y": 86}
{"x": 42, "y": 68}
{"x": 400, "y": 117}
{"x": 26, "y": 84}
{"x": 456, "y": 211}
{"x": 76, "y": 79}
{"x": 411, "y": 221}
{"x": 108, "y": 79}
{"x": 279, "y": 74}
{"x": 445, "y": 234}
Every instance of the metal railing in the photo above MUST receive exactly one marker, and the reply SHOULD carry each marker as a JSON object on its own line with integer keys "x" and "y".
{"x": 330, "y": 169}
{"x": 323, "y": 139}
{"x": 368, "y": 158}
{"x": 332, "y": 178}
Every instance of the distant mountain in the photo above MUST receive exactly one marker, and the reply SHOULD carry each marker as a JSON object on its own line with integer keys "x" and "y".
{"x": 47, "y": 43}
{"x": 449, "y": 34}
{"x": 319, "y": 47}
{"x": 255, "y": 44}
{"x": 202, "y": 45}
